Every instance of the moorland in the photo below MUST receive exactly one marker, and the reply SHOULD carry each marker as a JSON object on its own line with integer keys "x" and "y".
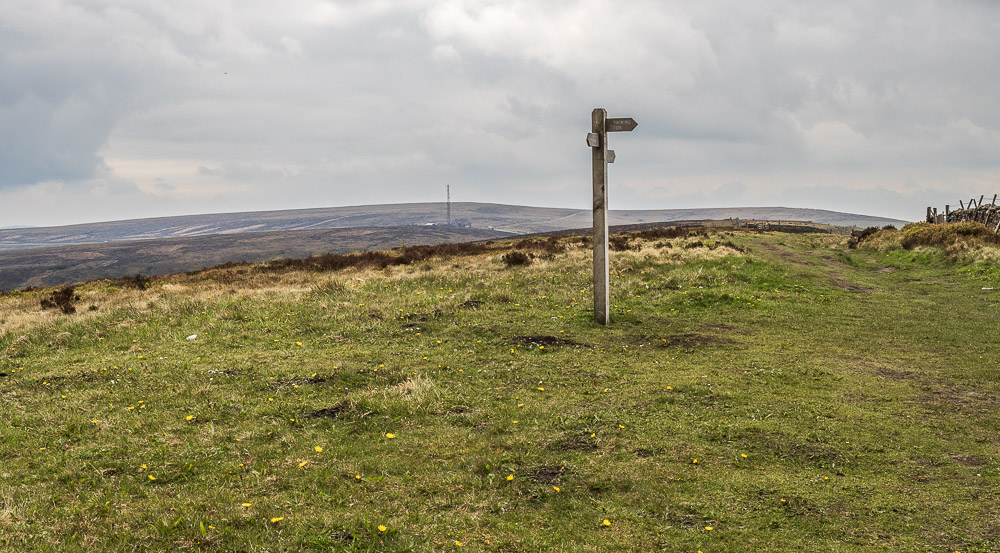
{"x": 755, "y": 391}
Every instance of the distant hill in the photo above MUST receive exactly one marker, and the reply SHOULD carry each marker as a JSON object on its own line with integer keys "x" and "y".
{"x": 54, "y": 266}
{"x": 508, "y": 218}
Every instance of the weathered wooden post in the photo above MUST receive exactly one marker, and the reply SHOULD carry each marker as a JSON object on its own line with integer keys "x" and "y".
{"x": 597, "y": 139}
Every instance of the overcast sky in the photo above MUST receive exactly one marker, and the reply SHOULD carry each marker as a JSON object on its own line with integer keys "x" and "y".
{"x": 118, "y": 109}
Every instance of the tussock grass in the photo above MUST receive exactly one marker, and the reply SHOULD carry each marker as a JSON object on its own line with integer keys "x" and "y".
{"x": 782, "y": 390}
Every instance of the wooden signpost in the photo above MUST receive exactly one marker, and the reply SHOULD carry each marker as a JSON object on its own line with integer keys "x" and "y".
{"x": 597, "y": 139}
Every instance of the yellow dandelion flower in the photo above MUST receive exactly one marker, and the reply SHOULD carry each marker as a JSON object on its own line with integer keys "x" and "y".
{"x": 540, "y": 389}
{"x": 556, "y": 488}
{"x": 510, "y": 477}
{"x": 144, "y": 467}
{"x": 606, "y": 522}
{"x": 318, "y": 449}
{"x": 357, "y": 477}
{"x": 382, "y": 528}
{"x": 189, "y": 417}
{"x": 694, "y": 461}
{"x": 743, "y": 455}
{"x": 276, "y": 520}
{"x": 709, "y": 528}
{"x": 245, "y": 505}
{"x": 303, "y": 463}
{"x": 458, "y": 543}
{"x": 151, "y": 477}
{"x": 390, "y": 435}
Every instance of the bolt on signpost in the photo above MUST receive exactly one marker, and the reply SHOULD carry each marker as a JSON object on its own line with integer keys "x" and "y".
{"x": 597, "y": 139}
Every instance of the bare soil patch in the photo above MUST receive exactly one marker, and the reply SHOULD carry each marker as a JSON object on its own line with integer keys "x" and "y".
{"x": 544, "y": 340}
{"x": 969, "y": 460}
{"x": 327, "y": 412}
{"x": 692, "y": 340}
{"x": 544, "y": 474}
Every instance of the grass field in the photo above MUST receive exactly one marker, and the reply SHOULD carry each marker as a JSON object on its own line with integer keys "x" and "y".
{"x": 754, "y": 392}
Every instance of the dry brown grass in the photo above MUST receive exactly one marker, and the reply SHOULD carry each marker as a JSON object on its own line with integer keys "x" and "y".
{"x": 21, "y": 313}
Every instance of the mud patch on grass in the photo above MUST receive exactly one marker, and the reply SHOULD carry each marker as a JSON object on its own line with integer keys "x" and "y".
{"x": 894, "y": 374}
{"x": 574, "y": 443}
{"x": 787, "y": 447}
{"x": 544, "y": 340}
{"x": 691, "y": 340}
{"x": 328, "y": 412}
{"x": 969, "y": 460}
{"x": 647, "y": 452}
{"x": 687, "y": 520}
{"x": 950, "y": 399}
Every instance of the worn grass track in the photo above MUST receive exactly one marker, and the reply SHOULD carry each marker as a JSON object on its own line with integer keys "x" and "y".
{"x": 753, "y": 393}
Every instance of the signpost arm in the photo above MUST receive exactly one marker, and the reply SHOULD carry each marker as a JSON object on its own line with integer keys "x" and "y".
{"x": 601, "y": 277}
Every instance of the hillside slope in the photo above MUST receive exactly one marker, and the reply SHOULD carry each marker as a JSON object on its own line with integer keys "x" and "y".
{"x": 511, "y": 218}
{"x": 68, "y": 264}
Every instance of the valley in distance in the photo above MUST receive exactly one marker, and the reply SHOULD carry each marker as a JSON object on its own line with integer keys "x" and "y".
{"x": 52, "y": 256}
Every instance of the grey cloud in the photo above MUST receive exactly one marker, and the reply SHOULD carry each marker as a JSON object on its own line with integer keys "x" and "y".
{"x": 211, "y": 106}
